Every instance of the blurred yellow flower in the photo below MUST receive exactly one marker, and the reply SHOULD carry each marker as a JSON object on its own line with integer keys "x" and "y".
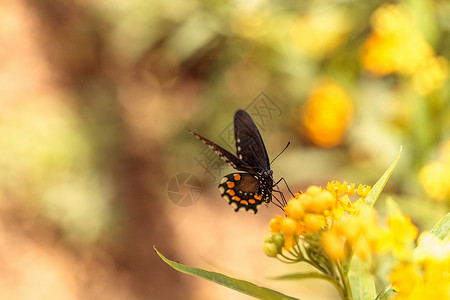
{"x": 430, "y": 248}
{"x": 403, "y": 233}
{"x": 396, "y": 46}
{"x": 428, "y": 276}
{"x": 321, "y": 31}
{"x": 431, "y": 75}
{"x": 404, "y": 278}
{"x": 435, "y": 176}
{"x": 333, "y": 245}
{"x": 327, "y": 114}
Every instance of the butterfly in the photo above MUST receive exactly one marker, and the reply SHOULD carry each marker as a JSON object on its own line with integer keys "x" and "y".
{"x": 254, "y": 185}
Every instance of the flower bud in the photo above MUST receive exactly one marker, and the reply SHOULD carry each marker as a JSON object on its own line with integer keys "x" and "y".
{"x": 270, "y": 249}
{"x": 313, "y": 190}
{"x": 314, "y": 223}
{"x": 278, "y": 240}
{"x": 332, "y": 245}
{"x": 288, "y": 226}
{"x": 294, "y": 209}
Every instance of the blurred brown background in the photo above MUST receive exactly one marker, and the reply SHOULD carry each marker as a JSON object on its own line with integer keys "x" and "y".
{"x": 96, "y": 97}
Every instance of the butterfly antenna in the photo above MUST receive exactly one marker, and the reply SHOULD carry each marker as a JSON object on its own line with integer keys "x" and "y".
{"x": 280, "y": 152}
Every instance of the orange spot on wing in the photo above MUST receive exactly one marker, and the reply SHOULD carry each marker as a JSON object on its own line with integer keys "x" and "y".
{"x": 251, "y": 201}
{"x": 236, "y": 198}
{"x": 230, "y": 184}
{"x": 258, "y": 197}
{"x": 231, "y": 192}
{"x": 237, "y": 176}
{"x": 244, "y": 202}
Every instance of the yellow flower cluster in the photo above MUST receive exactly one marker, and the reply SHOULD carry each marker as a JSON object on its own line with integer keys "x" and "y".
{"x": 343, "y": 226}
{"x": 323, "y": 228}
{"x": 327, "y": 114}
{"x": 427, "y": 276}
{"x": 395, "y": 46}
{"x": 363, "y": 235}
{"x": 435, "y": 176}
{"x": 316, "y": 210}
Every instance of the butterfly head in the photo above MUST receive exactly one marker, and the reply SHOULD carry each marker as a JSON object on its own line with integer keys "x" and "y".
{"x": 267, "y": 173}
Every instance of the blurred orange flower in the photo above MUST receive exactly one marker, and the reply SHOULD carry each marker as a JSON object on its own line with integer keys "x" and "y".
{"x": 327, "y": 114}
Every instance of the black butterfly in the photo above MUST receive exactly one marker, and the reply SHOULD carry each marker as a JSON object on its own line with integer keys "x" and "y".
{"x": 255, "y": 186}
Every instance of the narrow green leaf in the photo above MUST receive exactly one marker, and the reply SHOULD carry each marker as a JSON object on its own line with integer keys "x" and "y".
{"x": 310, "y": 275}
{"x": 232, "y": 283}
{"x": 387, "y": 293}
{"x": 440, "y": 230}
{"x": 378, "y": 187}
{"x": 392, "y": 207}
{"x": 361, "y": 281}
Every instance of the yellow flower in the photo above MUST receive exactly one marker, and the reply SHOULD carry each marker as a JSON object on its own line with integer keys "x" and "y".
{"x": 379, "y": 55}
{"x": 429, "y": 276}
{"x": 326, "y": 212}
{"x": 435, "y": 176}
{"x": 338, "y": 189}
{"x": 362, "y": 248}
{"x": 320, "y": 31}
{"x": 363, "y": 190}
{"x": 396, "y": 46}
{"x": 404, "y": 278}
{"x": 270, "y": 249}
{"x": 275, "y": 224}
{"x": 288, "y": 226}
{"x": 333, "y": 245}
{"x": 313, "y": 222}
{"x": 390, "y": 19}
{"x": 361, "y": 232}
{"x": 295, "y": 209}
{"x": 326, "y": 115}
{"x": 431, "y": 74}
{"x": 431, "y": 249}
{"x": 403, "y": 233}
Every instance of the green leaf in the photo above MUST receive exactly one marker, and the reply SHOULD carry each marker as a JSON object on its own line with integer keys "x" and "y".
{"x": 310, "y": 275}
{"x": 440, "y": 230}
{"x": 392, "y": 207}
{"x": 387, "y": 293}
{"x": 362, "y": 283}
{"x": 232, "y": 283}
{"x": 378, "y": 187}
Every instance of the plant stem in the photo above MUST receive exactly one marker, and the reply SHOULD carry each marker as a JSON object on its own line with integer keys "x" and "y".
{"x": 347, "y": 292}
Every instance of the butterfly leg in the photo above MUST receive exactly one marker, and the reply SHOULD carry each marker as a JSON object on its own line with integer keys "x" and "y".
{"x": 283, "y": 201}
{"x": 285, "y": 184}
{"x": 279, "y": 203}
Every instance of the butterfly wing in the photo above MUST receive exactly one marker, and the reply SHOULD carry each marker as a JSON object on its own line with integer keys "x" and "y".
{"x": 242, "y": 190}
{"x": 249, "y": 144}
{"x": 225, "y": 155}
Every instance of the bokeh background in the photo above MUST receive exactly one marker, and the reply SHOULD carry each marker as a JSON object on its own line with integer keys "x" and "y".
{"x": 96, "y": 97}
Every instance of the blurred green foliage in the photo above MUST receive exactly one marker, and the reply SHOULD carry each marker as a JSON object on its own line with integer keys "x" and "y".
{"x": 231, "y": 51}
